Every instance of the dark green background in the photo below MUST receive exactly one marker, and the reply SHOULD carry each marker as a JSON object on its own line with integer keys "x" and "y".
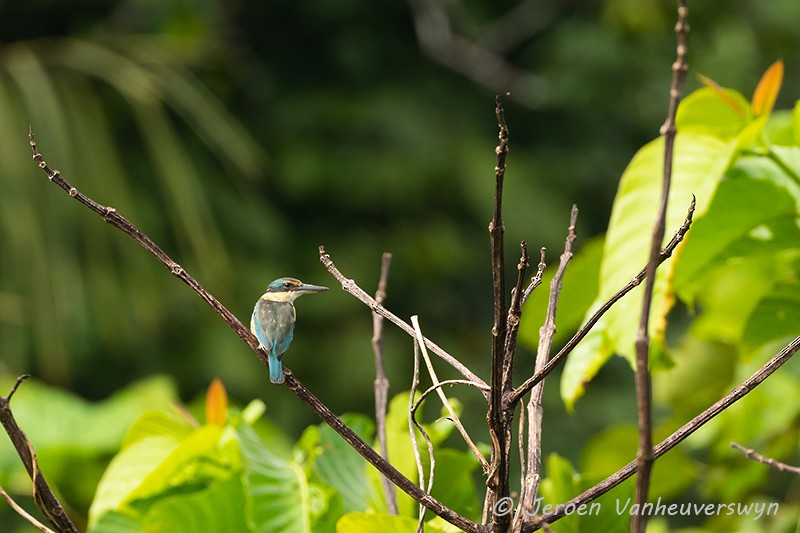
{"x": 363, "y": 144}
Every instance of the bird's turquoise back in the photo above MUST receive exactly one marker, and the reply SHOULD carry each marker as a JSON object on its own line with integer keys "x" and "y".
{"x": 273, "y": 325}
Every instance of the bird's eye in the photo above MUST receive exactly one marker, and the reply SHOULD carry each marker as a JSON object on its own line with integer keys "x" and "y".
{"x": 287, "y": 285}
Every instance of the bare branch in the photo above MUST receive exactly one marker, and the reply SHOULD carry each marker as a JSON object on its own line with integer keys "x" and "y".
{"x": 666, "y": 253}
{"x": 382, "y": 383}
{"x": 43, "y": 495}
{"x": 530, "y": 483}
{"x": 453, "y": 416}
{"x": 514, "y": 314}
{"x": 675, "y": 438}
{"x": 643, "y": 386}
{"x": 499, "y": 419}
{"x": 777, "y": 465}
{"x": 22, "y": 512}
{"x": 110, "y": 215}
{"x": 412, "y": 424}
{"x": 440, "y": 384}
{"x": 536, "y": 280}
{"x": 350, "y": 286}
{"x": 473, "y": 60}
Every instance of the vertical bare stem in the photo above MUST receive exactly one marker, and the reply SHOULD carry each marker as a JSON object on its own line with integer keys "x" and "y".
{"x": 499, "y": 421}
{"x": 412, "y": 423}
{"x": 533, "y": 463}
{"x": 381, "y": 382}
{"x": 643, "y": 391}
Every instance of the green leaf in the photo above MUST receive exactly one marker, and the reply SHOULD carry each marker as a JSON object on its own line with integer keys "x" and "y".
{"x": 562, "y": 484}
{"x": 776, "y": 316}
{"x": 580, "y": 286}
{"x": 339, "y": 465}
{"x": 380, "y": 523}
{"x": 217, "y": 509}
{"x": 744, "y": 203}
{"x": 154, "y": 465}
{"x": 699, "y": 163}
{"x": 616, "y": 446}
{"x": 454, "y": 483}
{"x": 277, "y": 494}
{"x": 706, "y": 111}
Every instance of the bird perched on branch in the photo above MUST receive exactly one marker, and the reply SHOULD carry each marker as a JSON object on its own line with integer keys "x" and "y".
{"x": 273, "y": 320}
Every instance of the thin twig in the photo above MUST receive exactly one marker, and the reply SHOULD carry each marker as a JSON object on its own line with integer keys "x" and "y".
{"x": 453, "y": 416}
{"x": 23, "y": 513}
{"x": 412, "y": 424}
{"x": 350, "y": 286}
{"x": 382, "y": 383}
{"x": 499, "y": 420}
{"x": 43, "y": 495}
{"x": 440, "y": 384}
{"x": 777, "y": 465}
{"x": 643, "y": 385}
{"x": 536, "y": 280}
{"x": 666, "y": 253}
{"x": 674, "y": 439}
{"x": 110, "y": 215}
{"x": 530, "y": 483}
{"x": 515, "y": 313}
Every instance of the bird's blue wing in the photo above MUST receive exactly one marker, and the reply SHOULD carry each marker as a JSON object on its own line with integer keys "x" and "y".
{"x": 273, "y": 325}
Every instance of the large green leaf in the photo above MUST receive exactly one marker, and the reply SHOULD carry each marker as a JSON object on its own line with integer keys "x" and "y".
{"x": 277, "y": 494}
{"x": 340, "y": 466}
{"x": 699, "y": 163}
{"x": 216, "y": 509}
{"x": 154, "y": 465}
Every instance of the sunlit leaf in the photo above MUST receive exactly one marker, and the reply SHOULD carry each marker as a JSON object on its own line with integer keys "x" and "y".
{"x": 767, "y": 89}
{"x": 380, "y": 523}
{"x": 725, "y": 95}
{"x": 277, "y": 494}
{"x": 699, "y": 163}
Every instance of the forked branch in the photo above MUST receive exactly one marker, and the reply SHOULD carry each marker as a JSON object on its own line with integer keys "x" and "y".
{"x": 43, "y": 495}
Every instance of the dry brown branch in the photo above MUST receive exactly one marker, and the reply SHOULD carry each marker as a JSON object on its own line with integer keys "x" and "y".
{"x": 382, "y": 383}
{"x": 445, "y": 402}
{"x": 43, "y": 495}
{"x": 666, "y": 253}
{"x": 350, "y": 286}
{"x": 498, "y": 417}
{"x": 472, "y": 59}
{"x": 643, "y": 386}
{"x": 533, "y": 462}
{"x": 777, "y": 465}
{"x": 675, "y": 438}
{"x": 23, "y": 513}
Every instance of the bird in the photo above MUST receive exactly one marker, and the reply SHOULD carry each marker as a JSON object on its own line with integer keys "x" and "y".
{"x": 273, "y": 320}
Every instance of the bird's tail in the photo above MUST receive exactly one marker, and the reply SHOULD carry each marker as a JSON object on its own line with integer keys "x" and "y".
{"x": 275, "y": 368}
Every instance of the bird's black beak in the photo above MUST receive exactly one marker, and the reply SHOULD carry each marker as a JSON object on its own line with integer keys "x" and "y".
{"x": 310, "y": 288}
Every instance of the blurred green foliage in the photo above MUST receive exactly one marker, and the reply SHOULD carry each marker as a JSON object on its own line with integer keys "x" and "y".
{"x": 240, "y": 136}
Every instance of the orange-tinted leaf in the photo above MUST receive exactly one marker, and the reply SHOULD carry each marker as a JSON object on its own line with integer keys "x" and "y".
{"x": 711, "y": 84}
{"x": 216, "y": 403}
{"x": 767, "y": 90}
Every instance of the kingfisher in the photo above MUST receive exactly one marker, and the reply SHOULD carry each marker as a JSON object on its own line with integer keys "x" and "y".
{"x": 273, "y": 320}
